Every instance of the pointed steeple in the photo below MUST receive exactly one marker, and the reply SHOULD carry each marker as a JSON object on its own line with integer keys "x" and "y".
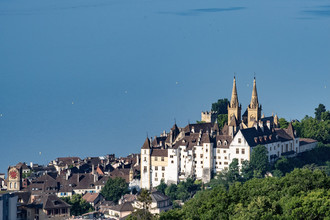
{"x": 234, "y": 97}
{"x": 254, "y": 99}
{"x": 146, "y": 144}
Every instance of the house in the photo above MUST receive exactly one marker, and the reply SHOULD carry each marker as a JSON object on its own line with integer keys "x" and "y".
{"x": 93, "y": 198}
{"x": 119, "y": 211}
{"x": 47, "y": 207}
{"x": 160, "y": 203}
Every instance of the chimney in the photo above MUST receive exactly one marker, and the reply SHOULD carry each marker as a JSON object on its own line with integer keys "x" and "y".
{"x": 268, "y": 124}
{"x": 77, "y": 178}
{"x": 93, "y": 172}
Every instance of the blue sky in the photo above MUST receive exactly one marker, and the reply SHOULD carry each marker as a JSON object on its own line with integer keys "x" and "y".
{"x": 88, "y": 78}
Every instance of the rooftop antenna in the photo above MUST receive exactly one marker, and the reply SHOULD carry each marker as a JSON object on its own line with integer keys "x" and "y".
{"x": 234, "y": 75}
{"x": 254, "y": 75}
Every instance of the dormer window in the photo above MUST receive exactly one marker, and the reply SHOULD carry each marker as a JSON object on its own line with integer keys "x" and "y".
{"x": 219, "y": 143}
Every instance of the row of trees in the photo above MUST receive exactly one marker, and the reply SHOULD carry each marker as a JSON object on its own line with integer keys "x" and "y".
{"x": 301, "y": 194}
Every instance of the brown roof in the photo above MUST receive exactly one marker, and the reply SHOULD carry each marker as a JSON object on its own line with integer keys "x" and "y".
{"x": 127, "y": 206}
{"x": 304, "y": 141}
{"x": 146, "y": 144}
{"x": 159, "y": 152}
{"x": 91, "y": 197}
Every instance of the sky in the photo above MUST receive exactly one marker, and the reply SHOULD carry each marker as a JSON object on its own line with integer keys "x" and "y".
{"x": 95, "y": 77}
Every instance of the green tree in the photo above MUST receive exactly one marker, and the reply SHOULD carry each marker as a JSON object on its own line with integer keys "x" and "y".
{"x": 233, "y": 173}
{"x": 79, "y": 206}
{"x": 259, "y": 160}
{"x": 171, "y": 191}
{"x": 220, "y": 106}
{"x": 325, "y": 116}
{"x": 318, "y": 111}
{"x": 144, "y": 214}
{"x": 247, "y": 170}
{"x": 114, "y": 189}
{"x": 162, "y": 186}
{"x": 283, "y": 123}
{"x": 222, "y": 119}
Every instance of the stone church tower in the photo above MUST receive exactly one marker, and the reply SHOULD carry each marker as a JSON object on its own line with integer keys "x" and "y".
{"x": 234, "y": 108}
{"x": 254, "y": 109}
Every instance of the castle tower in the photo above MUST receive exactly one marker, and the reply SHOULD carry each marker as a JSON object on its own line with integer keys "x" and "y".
{"x": 145, "y": 164}
{"x": 254, "y": 109}
{"x": 234, "y": 108}
{"x": 14, "y": 179}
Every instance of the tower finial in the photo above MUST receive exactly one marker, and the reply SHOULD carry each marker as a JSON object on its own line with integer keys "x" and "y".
{"x": 234, "y": 97}
{"x": 254, "y": 99}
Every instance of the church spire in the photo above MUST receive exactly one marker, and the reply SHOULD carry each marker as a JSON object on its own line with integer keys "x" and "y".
{"x": 254, "y": 99}
{"x": 234, "y": 98}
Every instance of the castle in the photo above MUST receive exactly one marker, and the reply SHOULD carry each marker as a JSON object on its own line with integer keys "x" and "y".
{"x": 200, "y": 150}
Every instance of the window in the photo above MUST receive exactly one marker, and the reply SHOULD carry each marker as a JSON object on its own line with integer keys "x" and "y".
{"x": 242, "y": 161}
{"x": 156, "y": 158}
{"x": 171, "y": 156}
{"x": 218, "y": 151}
{"x": 201, "y": 162}
{"x": 219, "y": 163}
{"x": 163, "y": 175}
{"x": 225, "y": 163}
{"x": 145, "y": 168}
{"x": 145, "y": 159}
{"x": 224, "y": 151}
{"x": 237, "y": 150}
{"x": 162, "y": 158}
{"x": 163, "y": 168}
{"x": 172, "y": 161}
{"x": 201, "y": 155}
{"x": 270, "y": 148}
{"x": 155, "y": 174}
{"x": 214, "y": 157}
{"x": 239, "y": 140}
{"x": 225, "y": 158}
{"x": 156, "y": 179}
{"x": 156, "y": 167}
{"x": 243, "y": 151}
{"x": 206, "y": 150}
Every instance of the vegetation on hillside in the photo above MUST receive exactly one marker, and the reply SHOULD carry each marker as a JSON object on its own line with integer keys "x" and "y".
{"x": 114, "y": 189}
{"x": 79, "y": 206}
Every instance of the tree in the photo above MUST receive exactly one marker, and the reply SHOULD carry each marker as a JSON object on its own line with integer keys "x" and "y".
{"x": 145, "y": 199}
{"x": 233, "y": 173}
{"x": 114, "y": 189}
{"x": 259, "y": 160}
{"x": 79, "y": 206}
{"x": 220, "y": 106}
{"x": 222, "y": 120}
{"x": 171, "y": 191}
{"x": 246, "y": 171}
{"x": 162, "y": 186}
{"x": 325, "y": 116}
{"x": 318, "y": 111}
{"x": 283, "y": 123}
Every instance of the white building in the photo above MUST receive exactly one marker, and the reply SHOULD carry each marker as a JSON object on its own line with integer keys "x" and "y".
{"x": 201, "y": 150}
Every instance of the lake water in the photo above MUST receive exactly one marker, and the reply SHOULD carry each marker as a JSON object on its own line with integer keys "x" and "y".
{"x": 90, "y": 77}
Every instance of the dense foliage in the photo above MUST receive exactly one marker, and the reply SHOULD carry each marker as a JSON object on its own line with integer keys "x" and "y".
{"x": 317, "y": 128}
{"x": 301, "y": 194}
{"x": 221, "y": 107}
{"x": 143, "y": 213}
{"x": 183, "y": 191}
{"x": 114, "y": 189}
{"x": 79, "y": 206}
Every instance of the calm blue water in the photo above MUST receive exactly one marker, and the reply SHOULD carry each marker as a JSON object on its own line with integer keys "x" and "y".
{"x": 91, "y": 77}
